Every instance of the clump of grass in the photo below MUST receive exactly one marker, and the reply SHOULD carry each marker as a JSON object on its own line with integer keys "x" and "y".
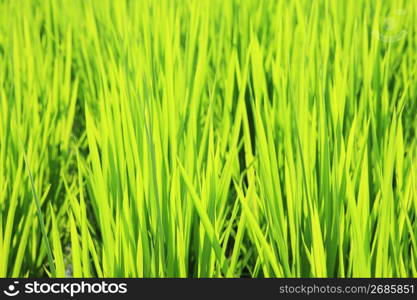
{"x": 208, "y": 138}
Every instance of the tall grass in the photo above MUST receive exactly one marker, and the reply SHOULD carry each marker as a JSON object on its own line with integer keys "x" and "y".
{"x": 198, "y": 138}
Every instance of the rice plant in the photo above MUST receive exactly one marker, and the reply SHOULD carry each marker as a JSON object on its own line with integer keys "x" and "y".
{"x": 208, "y": 138}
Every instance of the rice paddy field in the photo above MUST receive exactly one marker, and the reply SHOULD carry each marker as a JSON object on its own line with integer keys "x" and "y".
{"x": 197, "y": 138}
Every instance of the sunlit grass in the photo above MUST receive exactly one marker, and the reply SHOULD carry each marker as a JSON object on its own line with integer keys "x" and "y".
{"x": 197, "y": 138}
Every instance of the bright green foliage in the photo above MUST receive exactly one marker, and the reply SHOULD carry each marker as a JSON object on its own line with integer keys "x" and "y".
{"x": 208, "y": 138}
